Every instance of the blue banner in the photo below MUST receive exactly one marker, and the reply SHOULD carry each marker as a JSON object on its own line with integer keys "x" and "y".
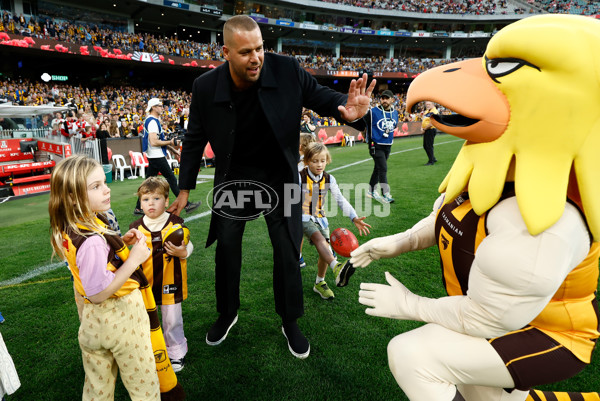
{"x": 284, "y": 23}
{"x": 366, "y": 31}
{"x": 176, "y": 5}
{"x": 260, "y": 19}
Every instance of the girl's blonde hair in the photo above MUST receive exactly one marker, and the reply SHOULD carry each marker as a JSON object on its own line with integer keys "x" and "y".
{"x": 314, "y": 149}
{"x": 69, "y": 204}
{"x": 305, "y": 139}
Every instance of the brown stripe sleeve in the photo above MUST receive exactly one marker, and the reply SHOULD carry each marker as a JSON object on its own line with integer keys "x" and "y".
{"x": 533, "y": 394}
{"x": 550, "y": 396}
{"x": 576, "y": 396}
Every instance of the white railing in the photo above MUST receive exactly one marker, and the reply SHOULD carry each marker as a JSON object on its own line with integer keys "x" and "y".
{"x": 24, "y": 133}
{"x": 90, "y": 147}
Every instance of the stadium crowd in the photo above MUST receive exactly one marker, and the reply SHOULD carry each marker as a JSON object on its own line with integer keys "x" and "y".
{"x": 92, "y": 35}
{"x": 376, "y": 63}
{"x": 477, "y": 7}
{"x": 115, "y": 106}
{"x": 121, "y": 110}
{"x": 115, "y": 35}
{"x": 582, "y": 7}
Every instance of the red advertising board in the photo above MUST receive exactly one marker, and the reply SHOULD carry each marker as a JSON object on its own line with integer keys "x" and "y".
{"x": 22, "y": 168}
{"x": 61, "y": 149}
{"x": 28, "y": 189}
{"x": 10, "y": 150}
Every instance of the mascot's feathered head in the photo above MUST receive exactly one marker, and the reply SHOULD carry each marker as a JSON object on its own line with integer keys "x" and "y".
{"x": 530, "y": 106}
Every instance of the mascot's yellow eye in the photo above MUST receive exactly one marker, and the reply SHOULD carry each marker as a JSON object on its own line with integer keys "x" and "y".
{"x": 499, "y": 67}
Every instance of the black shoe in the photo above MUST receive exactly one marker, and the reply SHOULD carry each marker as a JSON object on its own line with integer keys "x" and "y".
{"x": 343, "y": 275}
{"x": 137, "y": 211}
{"x": 219, "y": 330}
{"x": 191, "y": 206}
{"x": 434, "y": 160}
{"x": 429, "y": 163}
{"x": 297, "y": 343}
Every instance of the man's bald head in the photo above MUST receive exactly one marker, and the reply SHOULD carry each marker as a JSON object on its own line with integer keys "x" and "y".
{"x": 242, "y": 23}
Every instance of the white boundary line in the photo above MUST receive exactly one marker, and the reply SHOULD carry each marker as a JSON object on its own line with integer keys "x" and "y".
{"x": 51, "y": 267}
{"x": 197, "y": 216}
{"x": 393, "y": 153}
{"x": 33, "y": 273}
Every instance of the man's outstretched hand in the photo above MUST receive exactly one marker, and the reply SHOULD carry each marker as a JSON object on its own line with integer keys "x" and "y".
{"x": 359, "y": 99}
{"x": 179, "y": 203}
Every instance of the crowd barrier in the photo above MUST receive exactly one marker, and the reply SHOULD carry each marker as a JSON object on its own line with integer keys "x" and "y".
{"x": 26, "y": 171}
{"x": 23, "y": 133}
{"x": 334, "y": 134}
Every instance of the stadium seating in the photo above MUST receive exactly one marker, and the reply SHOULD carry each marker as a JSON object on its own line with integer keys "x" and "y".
{"x": 173, "y": 163}
{"x": 139, "y": 163}
{"x": 120, "y": 166}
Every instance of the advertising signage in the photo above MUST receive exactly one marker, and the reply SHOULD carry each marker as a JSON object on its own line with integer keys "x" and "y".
{"x": 176, "y": 4}
{"x": 262, "y": 20}
{"x": 284, "y": 23}
{"x": 313, "y": 27}
{"x": 213, "y": 11}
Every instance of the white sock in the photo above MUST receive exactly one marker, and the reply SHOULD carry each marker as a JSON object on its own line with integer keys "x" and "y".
{"x": 332, "y": 264}
{"x": 319, "y": 279}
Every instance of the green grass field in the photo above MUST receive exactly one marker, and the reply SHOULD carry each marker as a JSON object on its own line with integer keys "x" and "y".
{"x": 348, "y": 348}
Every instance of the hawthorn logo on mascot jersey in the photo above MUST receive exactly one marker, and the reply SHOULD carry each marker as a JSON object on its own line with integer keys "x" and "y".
{"x": 242, "y": 199}
{"x": 160, "y": 355}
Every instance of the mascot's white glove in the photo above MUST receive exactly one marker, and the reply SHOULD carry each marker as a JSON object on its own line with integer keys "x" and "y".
{"x": 420, "y": 236}
{"x": 513, "y": 277}
{"x": 394, "y": 301}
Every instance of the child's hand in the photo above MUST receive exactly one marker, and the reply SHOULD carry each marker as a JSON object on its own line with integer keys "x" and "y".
{"x": 363, "y": 228}
{"x": 178, "y": 251}
{"x": 140, "y": 252}
{"x": 132, "y": 236}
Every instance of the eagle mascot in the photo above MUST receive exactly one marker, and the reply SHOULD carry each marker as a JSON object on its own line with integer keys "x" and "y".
{"x": 517, "y": 223}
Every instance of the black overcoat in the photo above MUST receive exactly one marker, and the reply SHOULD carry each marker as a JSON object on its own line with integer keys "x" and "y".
{"x": 284, "y": 88}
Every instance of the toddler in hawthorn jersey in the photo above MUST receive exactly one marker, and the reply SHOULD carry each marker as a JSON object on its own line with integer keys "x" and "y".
{"x": 166, "y": 270}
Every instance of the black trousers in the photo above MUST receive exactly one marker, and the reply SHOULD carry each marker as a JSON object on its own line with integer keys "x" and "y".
{"x": 379, "y": 175}
{"x": 287, "y": 280}
{"x": 161, "y": 165}
{"x": 428, "y": 137}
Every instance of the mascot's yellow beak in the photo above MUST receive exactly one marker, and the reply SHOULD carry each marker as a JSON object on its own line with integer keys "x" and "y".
{"x": 466, "y": 89}
{"x": 530, "y": 106}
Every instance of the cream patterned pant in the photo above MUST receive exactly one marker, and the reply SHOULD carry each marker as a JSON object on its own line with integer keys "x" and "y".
{"x": 115, "y": 336}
